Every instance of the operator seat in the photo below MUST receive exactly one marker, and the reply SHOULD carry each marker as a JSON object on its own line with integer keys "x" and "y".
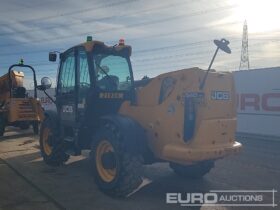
{"x": 110, "y": 83}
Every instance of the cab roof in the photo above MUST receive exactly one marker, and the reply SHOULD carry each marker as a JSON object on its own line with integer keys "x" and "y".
{"x": 97, "y": 47}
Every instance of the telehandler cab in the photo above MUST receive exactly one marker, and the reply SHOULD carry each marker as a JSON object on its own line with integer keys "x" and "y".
{"x": 185, "y": 117}
{"x": 16, "y": 107}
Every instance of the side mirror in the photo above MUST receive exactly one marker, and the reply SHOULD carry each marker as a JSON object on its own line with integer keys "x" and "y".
{"x": 46, "y": 83}
{"x": 52, "y": 56}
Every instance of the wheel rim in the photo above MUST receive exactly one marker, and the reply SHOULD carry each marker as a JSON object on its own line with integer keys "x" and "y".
{"x": 46, "y": 146}
{"x": 104, "y": 147}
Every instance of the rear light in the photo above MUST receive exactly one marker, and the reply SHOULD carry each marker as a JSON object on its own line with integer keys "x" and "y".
{"x": 89, "y": 38}
{"x": 121, "y": 42}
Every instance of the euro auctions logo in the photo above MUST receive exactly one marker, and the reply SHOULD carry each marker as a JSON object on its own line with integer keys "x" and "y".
{"x": 191, "y": 199}
{"x": 264, "y": 198}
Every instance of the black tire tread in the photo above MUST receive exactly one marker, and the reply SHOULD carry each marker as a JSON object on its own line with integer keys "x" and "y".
{"x": 58, "y": 156}
{"x": 131, "y": 164}
{"x": 2, "y": 125}
{"x": 35, "y": 126}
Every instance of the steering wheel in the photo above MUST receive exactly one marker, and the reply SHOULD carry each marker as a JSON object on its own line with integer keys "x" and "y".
{"x": 110, "y": 83}
{"x": 84, "y": 84}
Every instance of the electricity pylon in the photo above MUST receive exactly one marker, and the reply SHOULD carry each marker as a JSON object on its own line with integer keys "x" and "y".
{"x": 244, "y": 60}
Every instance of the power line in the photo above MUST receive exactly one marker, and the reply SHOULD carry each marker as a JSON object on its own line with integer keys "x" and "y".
{"x": 178, "y": 46}
{"x": 118, "y": 3}
{"x": 124, "y": 27}
{"x": 31, "y": 52}
{"x": 152, "y": 59}
{"x": 170, "y": 47}
{"x": 130, "y": 26}
{"x": 146, "y": 60}
{"x": 94, "y": 19}
{"x": 194, "y": 44}
{"x": 137, "y": 52}
{"x": 150, "y": 69}
{"x": 134, "y": 52}
{"x": 39, "y": 3}
{"x": 140, "y": 38}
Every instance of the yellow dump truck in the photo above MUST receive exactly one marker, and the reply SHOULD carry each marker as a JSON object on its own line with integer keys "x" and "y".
{"x": 16, "y": 107}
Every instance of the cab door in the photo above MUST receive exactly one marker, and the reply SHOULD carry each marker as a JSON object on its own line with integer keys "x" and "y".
{"x": 84, "y": 83}
{"x": 66, "y": 96}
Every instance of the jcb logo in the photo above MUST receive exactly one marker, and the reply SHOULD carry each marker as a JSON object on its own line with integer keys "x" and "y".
{"x": 67, "y": 108}
{"x": 220, "y": 95}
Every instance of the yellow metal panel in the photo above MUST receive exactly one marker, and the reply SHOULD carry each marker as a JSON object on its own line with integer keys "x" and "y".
{"x": 17, "y": 81}
{"x": 215, "y": 119}
{"x": 27, "y": 109}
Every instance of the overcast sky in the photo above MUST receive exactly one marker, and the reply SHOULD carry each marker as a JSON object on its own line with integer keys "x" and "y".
{"x": 165, "y": 35}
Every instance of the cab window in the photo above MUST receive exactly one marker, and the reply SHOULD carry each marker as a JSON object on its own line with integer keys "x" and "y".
{"x": 66, "y": 83}
{"x": 112, "y": 72}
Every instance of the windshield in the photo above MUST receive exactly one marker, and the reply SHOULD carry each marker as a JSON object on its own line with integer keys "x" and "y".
{"x": 112, "y": 72}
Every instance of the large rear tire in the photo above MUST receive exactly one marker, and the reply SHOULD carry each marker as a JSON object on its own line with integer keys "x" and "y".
{"x": 195, "y": 171}
{"x": 52, "y": 149}
{"x": 116, "y": 171}
{"x": 2, "y": 125}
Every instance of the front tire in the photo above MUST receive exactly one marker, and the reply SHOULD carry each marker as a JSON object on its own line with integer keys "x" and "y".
{"x": 51, "y": 148}
{"x": 35, "y": 126}
{"x": 195, "y": 171}
{"x": 2, "y": 125}
{"x": 117, "y": 172}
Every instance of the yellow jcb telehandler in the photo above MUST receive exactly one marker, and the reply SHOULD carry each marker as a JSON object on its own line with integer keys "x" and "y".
{"x": 16, "y": 107}
{"x": 185, "y": 117}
